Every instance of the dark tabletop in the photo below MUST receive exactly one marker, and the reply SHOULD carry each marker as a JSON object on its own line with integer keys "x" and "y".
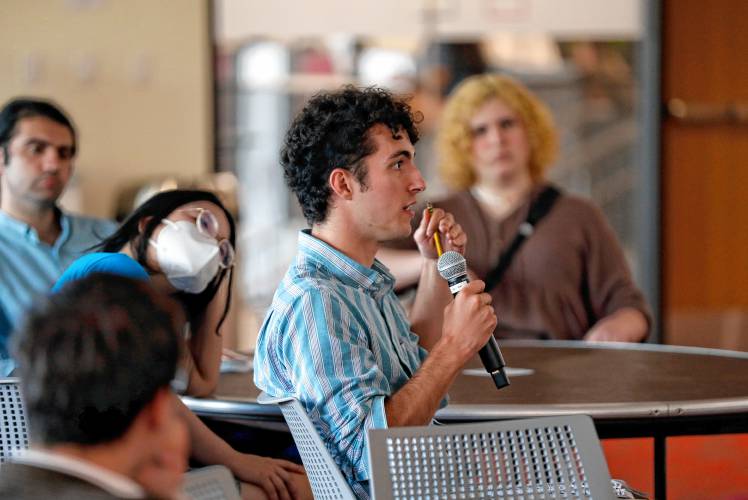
{"x": 550, "y": 377}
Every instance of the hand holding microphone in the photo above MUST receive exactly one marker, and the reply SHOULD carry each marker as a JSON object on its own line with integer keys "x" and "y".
{"x": 453, "y": 268}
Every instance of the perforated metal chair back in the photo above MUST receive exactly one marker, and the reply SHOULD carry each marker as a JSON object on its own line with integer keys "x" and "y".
{"x": 14, "y": 436}
{"x": 553, "y": 457}
{"x": 214, "y": 482}
{"x": 324, "y": 475}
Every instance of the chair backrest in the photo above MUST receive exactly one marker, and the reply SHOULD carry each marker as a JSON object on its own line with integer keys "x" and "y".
{"x": 549, "y": 457}
{"x": 14, "y": 437}
{"x": 213, "y": 482}
{"x": 324, "y": 475}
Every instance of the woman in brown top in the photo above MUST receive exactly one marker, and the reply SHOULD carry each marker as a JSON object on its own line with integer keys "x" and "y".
{"x": 569, "y": 279}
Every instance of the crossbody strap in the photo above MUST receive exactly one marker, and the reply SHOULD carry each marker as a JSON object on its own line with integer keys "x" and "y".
{"x": 539, "y": 209}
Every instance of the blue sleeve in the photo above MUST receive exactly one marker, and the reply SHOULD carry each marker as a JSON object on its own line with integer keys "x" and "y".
{"x": 6, "y": 364}
{"x": 101, "y": 262}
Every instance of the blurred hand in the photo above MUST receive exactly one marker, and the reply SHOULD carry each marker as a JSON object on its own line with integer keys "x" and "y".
{"x": 300, "y": 485}
{"x": 452, "y": 236}
{"x": 277, "y": 478}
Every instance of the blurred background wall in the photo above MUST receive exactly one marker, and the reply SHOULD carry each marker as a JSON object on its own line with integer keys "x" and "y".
{"x": 134, "y": 75}
{"x": 187, "y": 88}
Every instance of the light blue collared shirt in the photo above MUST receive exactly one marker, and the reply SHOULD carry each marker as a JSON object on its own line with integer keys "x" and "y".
{"x": 29, "y": 267}
{"x": 337, "y": 339}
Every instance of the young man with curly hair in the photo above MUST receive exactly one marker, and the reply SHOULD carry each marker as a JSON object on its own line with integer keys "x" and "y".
{"x": 336, "y": 337}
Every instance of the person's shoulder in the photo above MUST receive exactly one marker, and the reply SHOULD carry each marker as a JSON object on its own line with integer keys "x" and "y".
{"x": 91, "y": 224}
{"x": 575, "y": 214}
{"x": 20, "y": 481}
{"x": 101, "y": 262}
{"x": 305, "y": 281}
{"x": 306, "y": 287}
{"x": 115, "y": 263}
{"x": 576, "y": 205}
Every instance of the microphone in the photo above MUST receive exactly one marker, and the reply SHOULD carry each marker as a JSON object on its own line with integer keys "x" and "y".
{"x": 453, "y": 268}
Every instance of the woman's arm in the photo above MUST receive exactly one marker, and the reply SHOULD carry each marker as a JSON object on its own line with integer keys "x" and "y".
{"x": 613, "y": 296}
{"x": 625, "y": 325}
{"x": 205, "y": 346}
{"x": 276, "y": 477}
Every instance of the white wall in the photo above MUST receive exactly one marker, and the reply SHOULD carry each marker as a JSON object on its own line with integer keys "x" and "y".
{"x": 236, "y": 20}
{"x": 133, "y": 74}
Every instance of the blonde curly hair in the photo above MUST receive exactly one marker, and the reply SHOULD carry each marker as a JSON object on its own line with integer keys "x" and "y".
{"x": 454, "y": 140}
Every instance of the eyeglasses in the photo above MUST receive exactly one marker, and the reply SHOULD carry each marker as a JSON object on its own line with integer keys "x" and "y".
{"x": 207, "y": 225}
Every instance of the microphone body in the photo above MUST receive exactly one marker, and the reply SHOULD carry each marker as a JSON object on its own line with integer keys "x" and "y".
{"x": 453, "y": 268}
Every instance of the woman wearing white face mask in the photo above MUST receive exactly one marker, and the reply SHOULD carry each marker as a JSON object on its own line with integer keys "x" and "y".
{"x": 183, "y": 243}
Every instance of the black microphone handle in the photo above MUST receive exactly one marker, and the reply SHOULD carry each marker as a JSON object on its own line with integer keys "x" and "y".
{"x": 490, "y": 354}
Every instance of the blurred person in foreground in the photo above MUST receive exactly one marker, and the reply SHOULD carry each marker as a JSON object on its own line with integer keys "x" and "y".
{"x": 569, "y": 278}
{"x": 95, "y": 363}
{"x": 336, "y": 337}
{"x": 38, "y": 240}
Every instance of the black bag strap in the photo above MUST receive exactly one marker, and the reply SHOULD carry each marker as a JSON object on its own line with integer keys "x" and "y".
{"x": 539, "y": 209}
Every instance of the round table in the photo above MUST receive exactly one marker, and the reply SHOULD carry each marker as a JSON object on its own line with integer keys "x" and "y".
{"x": 630, "y": 390}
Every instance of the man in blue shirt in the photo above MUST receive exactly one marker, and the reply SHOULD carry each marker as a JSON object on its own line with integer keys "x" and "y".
{"x": 37, "y": 239}
{"x": 336, "y": 337}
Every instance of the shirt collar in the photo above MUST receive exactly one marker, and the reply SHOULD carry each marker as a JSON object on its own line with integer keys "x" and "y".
{"x": 8, "y": 222}
{"x": 11, "y": 223}
{"x": 376, "y": 279}
{"x": 112, "y": 482}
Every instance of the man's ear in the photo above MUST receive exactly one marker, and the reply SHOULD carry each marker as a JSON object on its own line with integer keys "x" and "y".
{"x": 159, "y": 412}
{"x": 341, "y": 182}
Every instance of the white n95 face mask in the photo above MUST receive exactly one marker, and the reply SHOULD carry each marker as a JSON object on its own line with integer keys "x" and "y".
{"x": 188, "y": 258}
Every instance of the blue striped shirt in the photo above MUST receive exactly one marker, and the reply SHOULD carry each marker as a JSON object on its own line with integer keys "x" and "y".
{"x": 337, "y": 339}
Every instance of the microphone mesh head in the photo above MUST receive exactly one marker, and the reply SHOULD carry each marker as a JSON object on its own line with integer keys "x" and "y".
{"x": 451, "y": 265}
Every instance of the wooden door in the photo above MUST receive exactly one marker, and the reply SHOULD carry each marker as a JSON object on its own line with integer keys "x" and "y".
{"x": 705, "y": 172}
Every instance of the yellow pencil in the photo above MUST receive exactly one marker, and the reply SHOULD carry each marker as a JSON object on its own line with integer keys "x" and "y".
{"x": 437, "y": 242}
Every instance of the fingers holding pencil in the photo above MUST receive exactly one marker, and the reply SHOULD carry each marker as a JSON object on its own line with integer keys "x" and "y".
{"x": 438, "y": 233}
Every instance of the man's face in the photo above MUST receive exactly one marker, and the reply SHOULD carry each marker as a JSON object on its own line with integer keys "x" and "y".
{"x": 384, "y": 204}
{"x": 39, "y": 162}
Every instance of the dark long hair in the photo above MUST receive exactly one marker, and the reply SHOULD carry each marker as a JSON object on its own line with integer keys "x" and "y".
{"x": 159, "y": 207}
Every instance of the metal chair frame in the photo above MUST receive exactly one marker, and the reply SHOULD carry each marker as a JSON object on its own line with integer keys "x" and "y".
{"x": 14, "y": 433}
{"x": 326, "y": 479}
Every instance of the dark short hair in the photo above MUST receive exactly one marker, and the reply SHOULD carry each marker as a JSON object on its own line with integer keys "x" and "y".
{"x": 332, "y": 132}
{"x": 92, "y": 356}
{"x": 26, "y": 107}
{"x": 157, "y": 208}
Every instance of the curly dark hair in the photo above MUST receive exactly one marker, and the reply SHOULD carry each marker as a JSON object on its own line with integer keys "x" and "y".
{"x": 332, "y": 132}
